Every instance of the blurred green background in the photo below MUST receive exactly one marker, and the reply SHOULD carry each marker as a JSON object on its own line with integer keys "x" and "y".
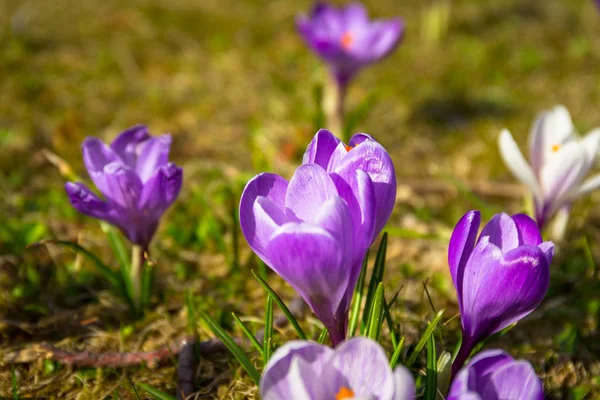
{"x": 238, "y": 89}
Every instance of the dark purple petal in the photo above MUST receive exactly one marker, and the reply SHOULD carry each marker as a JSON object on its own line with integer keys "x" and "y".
{"x": 373, "y": 159}
{"x": 461, "y": 246}
{"x": 161, "y": 190}
{"x": 362, "y": 366}
{"x": 500, "y": 289}
{"x": 320, "y": 148}
{"x": 548, "y": 249}
{"x": 358, "y": 138}
{"x": 154, "y": 154}
{"x": 502, "y": 231}
{"x": 126, "y": 145}
{"x": 528, "y": 230}
{"x": 259, "y": 221}
{"x": 123, "y": 186}
{"x": 308, "y": 189}
{"x": 86, "y": 202}
{"x": 279, "y": 380}
{"x": 516, "y": 380}
{"x": 96, "y": 156}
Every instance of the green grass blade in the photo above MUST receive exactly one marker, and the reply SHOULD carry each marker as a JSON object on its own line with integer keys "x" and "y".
{"x": 233, "y": 347}
{"x": 322, "y": 336}
{"x": 423, "y": 341}
{"x": 357, "y": 298}
{"x": 396, "y": 354}
{"x": 249, "y": 335}
{"x": 15, "y": 388}
{"x": 431, "y": 386}
{"x": 444, "y": 370}
{"x": 268, "y": 336}
{"x": 191, "y": 313}
{"x": 376, "y": 277}
{"x": 155, "y": 393}
{"x": 376, "y": 317}
{"x": 135, "y": 392}
{"x": 388, "y": 319}
{"x": 108, "y": 274}
{"x": 282, "y": 306}
{"x": 116, "y": 244}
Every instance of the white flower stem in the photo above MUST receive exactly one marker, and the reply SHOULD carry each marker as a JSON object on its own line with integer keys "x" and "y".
{"x": 135, "y": 273}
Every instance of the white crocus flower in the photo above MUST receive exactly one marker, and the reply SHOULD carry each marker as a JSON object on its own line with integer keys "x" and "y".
{"x": 559, "y": 158}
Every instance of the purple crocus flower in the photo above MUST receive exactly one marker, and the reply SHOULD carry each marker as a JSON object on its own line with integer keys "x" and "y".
{"x": 495, "y": 375}
{"x": 346, "y": 39}
{"x": 315, "y": 229}
{"x": 136, "y": 178}
{"x": 500, "y": 277}
{"x": 357, "y": 369}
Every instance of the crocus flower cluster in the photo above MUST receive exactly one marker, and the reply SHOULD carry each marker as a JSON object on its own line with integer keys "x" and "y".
{"x": 315, "y": 229}
{"x": 356, "y": 369}
{"x": 136, "y": 179}
{"x": 346, "y": 39}
{"x": 495, "y": 375}
{"x": 500, "y": 277}
{"x": 560, "y": 160}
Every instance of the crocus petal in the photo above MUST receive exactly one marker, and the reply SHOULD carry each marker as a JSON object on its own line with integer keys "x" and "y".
{"x": 308, "y": 189}
{"x": 529, "y": 232}
{"x": 123, "y": 186}
{"x": 404, "y": 384}
{"x": 161, "y": 190}
{"x": 86, "y": 202}
{"x": 589, "y": 185}
{"x": 375, "y": 380}
{"x": 591, "y": 143}
{"x": 501, "y": 231}
{"x": 254, "y": 221}
{"x": 354, "y": 17}
{"x": 155, "y": 154}
{"x": 548, "y": 250}
{"x": 383, "y": 37}
{"x": 552, "y": 128}
{"x": 461, "y": 245}
{"x": 516, "y": 380}
{"x": 358, "y": 138}
{"x": 315, "y": 264}
{"x": 280, "y": 376}
{"x": 320, "y": 148}
{"x": 514, "y": 160}
{"x": 96, "y": 156}
{"x": 127, "y": 144}
{"x": 372, "y": 158}
{"x": 476, "y": 375}
{"x": 508, "y": 288}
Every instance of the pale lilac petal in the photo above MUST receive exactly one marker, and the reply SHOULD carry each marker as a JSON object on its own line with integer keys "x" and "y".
{"x": 514, "y": 160}
{"x": 284, "y": 375}
{"x": 529, "y": 232}
{"x": 472, "y": 380}
{"x": 372, "y": 158}
{"x": 161, "y": 190}
{"x": 315, "y": 264}
{"x": 500, "y": 289}
{"x": 374, "y": 377}
{"x": 461, "y": 246}
{"x": 127, "y": 144}
{"x": 516, "y": 380}
{"x": 123, "y": 186}
{"x": 589, "y": 185}
{"x": 354, "y": 17}
{"x": 154, "y": 154}
{"x": 552, "y": 130}
{"x": 384, "y": 37}
{"x": 404, "y": 384}
{"x": 272, "y": 187}
{"x": 501, "y": 231}
{"x": 86, "y": 202}
{"x": 308, "y": 189}
{"x": 96, "y": 156}
{"x": 591, "y": 144}
{"x": 320, "y": 148}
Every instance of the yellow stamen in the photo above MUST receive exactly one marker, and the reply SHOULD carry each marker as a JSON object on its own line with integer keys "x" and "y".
{"x": 348, "y": 148}
{"x": 556, "y": 147}
{"x": 347, "y": 40}
{"x": 344, "y": 393}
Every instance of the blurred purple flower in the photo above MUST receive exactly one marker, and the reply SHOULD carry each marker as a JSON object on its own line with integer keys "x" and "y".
{"x": 495, "y": 375}
{"x": 500, "y": 278}
{"x": 346, "y": 39}
{"x": 315, "y": 229}
{"x": 357, "y": 369}
{"x": 559, "y": 162}
{"x": 135, "y": 177}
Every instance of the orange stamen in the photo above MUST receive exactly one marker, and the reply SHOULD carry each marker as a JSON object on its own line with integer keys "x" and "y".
{"x": 344, "y": 393}
{"x": 348, "y": 148}
{"x": 556, "y": 147}
{"x": 347, "y": 40}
